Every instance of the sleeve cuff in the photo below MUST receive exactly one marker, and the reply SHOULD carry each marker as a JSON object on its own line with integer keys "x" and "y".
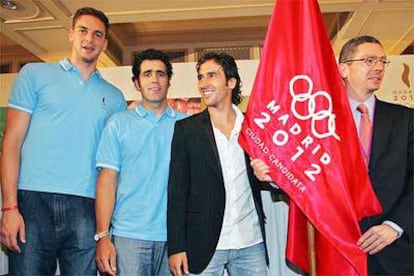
{"x": 274, "y": 185}
{"x": 100, "y": 166}
{"x": 395, "y": 227}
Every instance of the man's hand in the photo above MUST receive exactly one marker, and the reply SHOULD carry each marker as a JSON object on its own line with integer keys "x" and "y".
{"x": 178, "y": 263}
{"x": 261, "y": 170}
{"x": 105, "y": 256}
{"x": 376, "y": 238}
{"x": 12, "y": 225}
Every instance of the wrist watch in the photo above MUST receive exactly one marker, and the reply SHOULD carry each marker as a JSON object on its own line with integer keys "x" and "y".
{"x": 100, "y": 235}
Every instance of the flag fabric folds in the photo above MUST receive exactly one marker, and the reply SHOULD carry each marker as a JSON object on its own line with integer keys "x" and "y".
{"x": 299, "y": 122}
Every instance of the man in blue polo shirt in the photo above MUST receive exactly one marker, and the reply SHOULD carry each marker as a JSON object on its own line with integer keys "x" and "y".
{"x": 54, "y": 121}
{"x": 133, "y": 158}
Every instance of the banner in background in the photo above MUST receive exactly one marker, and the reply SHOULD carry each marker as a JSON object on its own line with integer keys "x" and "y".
{"x": 189, "y": 106}
{"x": 398, "y": 84}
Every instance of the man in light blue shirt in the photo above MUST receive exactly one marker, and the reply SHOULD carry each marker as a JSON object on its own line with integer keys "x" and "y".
{"x": 54, "y": 121}
{"x": 133, "y": 158}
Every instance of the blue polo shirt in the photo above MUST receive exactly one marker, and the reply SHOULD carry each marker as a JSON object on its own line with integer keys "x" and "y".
{"x": 137, "y": 145}
{"x": 67, "y": 119}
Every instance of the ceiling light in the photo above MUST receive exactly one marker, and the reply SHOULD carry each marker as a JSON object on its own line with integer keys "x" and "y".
{"x": 8, "y": 4}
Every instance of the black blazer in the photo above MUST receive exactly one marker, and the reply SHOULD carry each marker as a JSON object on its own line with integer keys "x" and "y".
{"x": 391, "y": 173}
{"x": 196, "y": 193}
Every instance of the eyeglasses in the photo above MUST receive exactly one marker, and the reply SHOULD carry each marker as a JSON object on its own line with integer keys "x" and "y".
{"x": 370, "y": 61}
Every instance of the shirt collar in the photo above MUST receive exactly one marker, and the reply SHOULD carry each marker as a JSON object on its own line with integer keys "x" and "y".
{"x": 141, "y": 111}
{"x": 370, "y": 104}
{"x": 239, "y": 119}
{"x": 68, "y": 66}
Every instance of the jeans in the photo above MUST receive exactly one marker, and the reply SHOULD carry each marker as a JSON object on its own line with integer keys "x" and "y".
{"x": 140, "y": 257}
{"x": 58, "y": 227}
{"x": 238, "y": 262}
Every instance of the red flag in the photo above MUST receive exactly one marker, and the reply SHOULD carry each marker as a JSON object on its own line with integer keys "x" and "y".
{"x": 299, "y": 122}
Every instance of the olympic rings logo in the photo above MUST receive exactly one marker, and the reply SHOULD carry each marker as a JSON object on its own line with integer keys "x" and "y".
{"x": 308, "y": 98}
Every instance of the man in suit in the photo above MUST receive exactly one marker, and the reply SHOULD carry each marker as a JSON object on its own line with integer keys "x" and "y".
{"x": 215, "y": 218}
{"x": 388, "y": 238}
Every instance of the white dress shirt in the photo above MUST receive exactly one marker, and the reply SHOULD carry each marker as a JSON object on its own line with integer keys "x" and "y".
{"x": 240, "y": 227}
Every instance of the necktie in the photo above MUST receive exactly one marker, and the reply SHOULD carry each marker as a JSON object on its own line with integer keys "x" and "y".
{"x": 365, "y": 131}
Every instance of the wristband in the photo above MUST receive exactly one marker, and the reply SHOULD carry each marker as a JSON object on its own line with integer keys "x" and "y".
{"x": 9, "y": 208}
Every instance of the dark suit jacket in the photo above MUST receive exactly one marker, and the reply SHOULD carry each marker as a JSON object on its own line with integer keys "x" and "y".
{"x": 391, "y": 172}
{"x": 196, "y": 193}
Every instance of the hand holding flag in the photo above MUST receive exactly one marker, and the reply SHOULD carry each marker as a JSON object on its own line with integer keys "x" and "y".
{"x": 299, "y": 122}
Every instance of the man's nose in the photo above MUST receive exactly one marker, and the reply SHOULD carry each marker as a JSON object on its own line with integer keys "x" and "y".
{"x": 379, "y": 65}
{"x": 89, "y": 36}
{"x": 203, "y": 82}
{"x": 154, "y": 78}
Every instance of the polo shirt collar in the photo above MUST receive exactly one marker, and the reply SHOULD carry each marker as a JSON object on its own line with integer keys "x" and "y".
{"x": 68, "y": 66}
{"x": 141, "y": 111}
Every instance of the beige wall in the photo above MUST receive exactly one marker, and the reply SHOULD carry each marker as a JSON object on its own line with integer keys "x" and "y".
{"x": 397, "y": 86}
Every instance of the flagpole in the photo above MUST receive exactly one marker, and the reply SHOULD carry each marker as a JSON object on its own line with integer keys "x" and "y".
{"x": 311, "y": 248}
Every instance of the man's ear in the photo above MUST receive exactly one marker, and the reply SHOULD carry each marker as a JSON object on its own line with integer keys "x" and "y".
{"x": 106, "y": 44}
{"x": 136, "y": 84}
{"x": 70, "y": 34}
{"x": 343, "y": 70}
{"x": 232, "y": 83}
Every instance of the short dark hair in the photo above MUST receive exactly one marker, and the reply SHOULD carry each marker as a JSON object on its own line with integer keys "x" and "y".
{"x": 350, "y": 46}
{"x": 150, "y": 54}
{"x": 93, "y": 12}
{"x": 230, "y": 70}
